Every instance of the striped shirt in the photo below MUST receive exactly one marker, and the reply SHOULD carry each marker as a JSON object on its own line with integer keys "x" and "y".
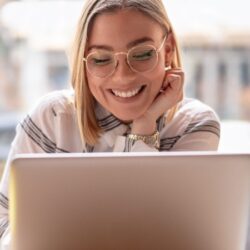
{"x": 51, "y": 127}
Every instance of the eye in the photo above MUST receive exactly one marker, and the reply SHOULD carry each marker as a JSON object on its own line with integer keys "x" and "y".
{"x": 143, "y": 55}
{"x": 100, "y": 61}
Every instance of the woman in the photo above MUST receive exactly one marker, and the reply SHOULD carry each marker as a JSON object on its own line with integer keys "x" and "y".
{"x": 128, "y": 92}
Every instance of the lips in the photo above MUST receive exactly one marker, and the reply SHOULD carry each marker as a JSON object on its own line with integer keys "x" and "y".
{"x": 128, "y": 93}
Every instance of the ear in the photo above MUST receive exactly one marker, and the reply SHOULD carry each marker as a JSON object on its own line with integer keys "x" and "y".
{"x": 169, "y": 49}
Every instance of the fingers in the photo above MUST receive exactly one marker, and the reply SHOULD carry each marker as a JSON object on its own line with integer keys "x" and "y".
{"x": 170, "y": 94}
{"x": 174, "y": 79}
{"x": 172, "y": 87}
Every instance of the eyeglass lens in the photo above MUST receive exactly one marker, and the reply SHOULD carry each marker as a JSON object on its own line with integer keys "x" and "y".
{"x": 102, "y": 63}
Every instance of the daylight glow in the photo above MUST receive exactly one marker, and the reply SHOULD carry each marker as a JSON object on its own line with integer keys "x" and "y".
{"x": 49, "y": 24}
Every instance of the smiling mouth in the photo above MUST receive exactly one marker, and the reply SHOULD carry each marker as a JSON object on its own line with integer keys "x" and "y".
{"x": 127, "y": 94}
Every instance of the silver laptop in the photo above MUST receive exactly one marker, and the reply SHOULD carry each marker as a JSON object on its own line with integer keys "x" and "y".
{"x": 132, "y": 201}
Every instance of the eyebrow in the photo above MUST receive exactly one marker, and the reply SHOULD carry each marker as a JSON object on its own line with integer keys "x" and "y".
{"x": 129, "y": 45}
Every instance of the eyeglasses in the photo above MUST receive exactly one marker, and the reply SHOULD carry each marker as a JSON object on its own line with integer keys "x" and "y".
{"x": 143, "y": 58}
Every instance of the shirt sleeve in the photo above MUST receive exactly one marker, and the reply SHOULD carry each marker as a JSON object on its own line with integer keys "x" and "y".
{"x": 201, "y": 133}
{"x": 195, "y": 130}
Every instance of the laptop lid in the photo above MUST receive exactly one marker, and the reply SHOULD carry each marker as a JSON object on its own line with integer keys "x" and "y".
{"x": 129, "y": 201}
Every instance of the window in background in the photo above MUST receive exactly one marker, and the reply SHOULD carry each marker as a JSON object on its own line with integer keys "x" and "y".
{"x": 198, "y": 79}
{"x": 216, "y": 75}
{"x": 245, "y": 74}
{"x": 245, "y": 86}
{"x": 57, "y": 70}
{"x": 222, "y": 87}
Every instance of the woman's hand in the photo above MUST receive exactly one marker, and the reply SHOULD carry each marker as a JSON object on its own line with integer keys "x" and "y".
{"x": 170, "y": 94}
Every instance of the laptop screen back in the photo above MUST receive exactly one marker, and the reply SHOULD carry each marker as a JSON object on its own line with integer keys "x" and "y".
{"x": 129, "y": 201}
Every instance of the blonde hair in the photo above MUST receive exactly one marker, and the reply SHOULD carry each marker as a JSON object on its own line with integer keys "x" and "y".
{"x": 84, "y": 101}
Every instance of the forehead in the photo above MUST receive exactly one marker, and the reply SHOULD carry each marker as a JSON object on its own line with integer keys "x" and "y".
{"x": 123, "y": 26}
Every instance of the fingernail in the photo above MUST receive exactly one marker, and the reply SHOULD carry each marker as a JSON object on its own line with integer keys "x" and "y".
{"x": 167, "y": 68}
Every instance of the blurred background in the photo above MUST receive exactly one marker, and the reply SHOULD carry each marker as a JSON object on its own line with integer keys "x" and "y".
{"x": 214, "y": 35}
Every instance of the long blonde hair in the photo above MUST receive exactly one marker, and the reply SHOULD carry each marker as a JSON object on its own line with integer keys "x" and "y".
{"x": 84, "y": 101}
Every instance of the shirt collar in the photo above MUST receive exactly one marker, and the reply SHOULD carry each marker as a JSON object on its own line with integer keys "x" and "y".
{"x": 113, "y": 127}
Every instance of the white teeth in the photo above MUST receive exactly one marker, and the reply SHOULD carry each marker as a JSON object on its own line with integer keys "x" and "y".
{"x": 126, "y": 94}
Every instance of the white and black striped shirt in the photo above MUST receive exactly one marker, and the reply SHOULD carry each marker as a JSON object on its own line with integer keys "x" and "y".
{"x": 51, "y": 127}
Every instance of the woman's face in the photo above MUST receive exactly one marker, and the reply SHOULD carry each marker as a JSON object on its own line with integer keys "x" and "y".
{"x": 125, "y": 93}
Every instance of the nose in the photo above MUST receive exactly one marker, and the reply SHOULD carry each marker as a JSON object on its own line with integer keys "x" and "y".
{"x": 123, "y": 72}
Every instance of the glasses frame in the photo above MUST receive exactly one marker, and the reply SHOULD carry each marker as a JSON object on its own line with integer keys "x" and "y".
{"x": 157, "y": 50}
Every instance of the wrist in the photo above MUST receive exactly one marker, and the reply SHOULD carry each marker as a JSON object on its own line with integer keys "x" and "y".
{"x": 152, "y": 140}
{"x": 143, "y": 127}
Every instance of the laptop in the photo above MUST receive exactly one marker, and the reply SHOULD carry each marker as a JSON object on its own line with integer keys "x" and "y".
{"x": 132, "y": 201}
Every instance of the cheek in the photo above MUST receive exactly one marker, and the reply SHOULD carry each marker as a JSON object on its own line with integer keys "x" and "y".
{"x": 160, "y": 69}
{"x": 160, "y": 75}
{"x": 93, "y": 83}
{"x": 157, "y": 76}
{"x": 93, "y": 86}
{"x": 96, "y": 89}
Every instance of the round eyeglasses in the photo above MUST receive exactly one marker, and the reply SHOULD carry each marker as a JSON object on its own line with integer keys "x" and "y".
{"x": 143, "y": 58}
